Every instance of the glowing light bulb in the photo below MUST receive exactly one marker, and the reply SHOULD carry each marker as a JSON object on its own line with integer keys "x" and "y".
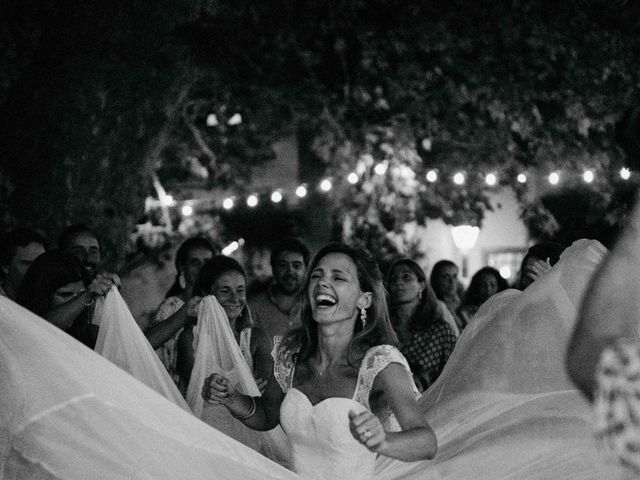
{"x": 326, "y": 185}
{"x": 505, "y": 272}
{"x": 491, "y": 179}
{"x": 276, "y": 197}
{"x": 554, "y": 178}
{"x": 252, "y": 200}
{"x": 212, "y": 120}
{"x": 166, "y": 200}
{"x": 352, "y": 178}
{"x": 380, "y": 168}
{"x": 229, "y": 249}
{"x": 625, "y": 173}
{"x": 432, "y": 176}
{"x": 522, "y": 178}
{"x": 227, "y": 204}
{"x": 587, "y": 176}
{"x": 458, "y": 178}
{"x": 236, "y": 119}
{"x": 301, "y": 191}
{"x": 187, "y": 210}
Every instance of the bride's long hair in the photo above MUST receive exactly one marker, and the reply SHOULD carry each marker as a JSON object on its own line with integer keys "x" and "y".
{"x": 303, "y": 342}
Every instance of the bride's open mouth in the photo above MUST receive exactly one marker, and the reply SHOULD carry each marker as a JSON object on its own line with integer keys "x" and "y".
{"x": 324, "y": 300}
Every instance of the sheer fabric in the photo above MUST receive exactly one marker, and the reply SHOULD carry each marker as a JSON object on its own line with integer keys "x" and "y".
{"x": 68, "y": 413}
{"x": 121, "y": 341}
{"x": 502, "y": 408}
{"x": 216, "y": 351}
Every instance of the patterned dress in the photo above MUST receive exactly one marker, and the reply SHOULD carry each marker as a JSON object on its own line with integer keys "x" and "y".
{"x": 617, "y": 403}
{"x": 168, "y": 352}
{"x": 427, "y": 351}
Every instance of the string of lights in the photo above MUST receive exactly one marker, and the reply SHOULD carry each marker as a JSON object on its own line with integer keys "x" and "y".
{"x": 460, "y": 178}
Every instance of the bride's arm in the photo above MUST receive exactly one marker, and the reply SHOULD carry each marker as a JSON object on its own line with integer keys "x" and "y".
{"x": 416, "y": 441}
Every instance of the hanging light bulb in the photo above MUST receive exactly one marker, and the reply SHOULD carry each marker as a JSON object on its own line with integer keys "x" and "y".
{"x": 381, "y": 168}
{"x": 301, "y": 191}
{"x": 252, "y": 200}
{"x": 587, "y": 176}
{"x": 458, "y": 178}
{"x": 187, "y": 210}
{"x": 229, "y": 249}
{"x": 554, "y": 178}
{"x": 276, "y": 197}
{"x": 227, "y": 204}
{"x": 522, "y": 178}
{"x": 625, "y": 173}
{"x": 212, "y": 120}
{"x": 491, "y": 179}
{"x": 432, "y": 176}
{"x": 236, "y": 119}
{"x": 352, "y": 178}
{"x": 325, "y": 185}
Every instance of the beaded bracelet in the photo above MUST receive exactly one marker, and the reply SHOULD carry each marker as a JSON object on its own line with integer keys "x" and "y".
{"x": 249, "y": 414}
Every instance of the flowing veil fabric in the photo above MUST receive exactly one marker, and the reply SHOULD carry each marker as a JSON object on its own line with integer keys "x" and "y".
{"x": 502, "y": 408}
{"x": 121, "y": 341}
{"x": 216, "y": 350}
{"x": 68, "y": 413}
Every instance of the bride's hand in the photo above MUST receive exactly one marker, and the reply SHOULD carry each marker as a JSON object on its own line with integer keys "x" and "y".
{"x": 217, "y": 389}
{"x": 367, "y": 429}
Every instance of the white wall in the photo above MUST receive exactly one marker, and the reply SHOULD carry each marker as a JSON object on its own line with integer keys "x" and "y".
{"x": 501, "y": 229}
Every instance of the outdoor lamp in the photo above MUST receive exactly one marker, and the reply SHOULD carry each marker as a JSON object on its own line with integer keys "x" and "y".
{"x": 465, "y": 238}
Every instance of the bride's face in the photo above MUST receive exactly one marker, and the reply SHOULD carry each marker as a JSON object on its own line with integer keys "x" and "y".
{"x": 334, "y": 291}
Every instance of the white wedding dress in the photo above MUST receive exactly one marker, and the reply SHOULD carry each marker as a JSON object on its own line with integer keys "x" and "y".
{"x": 322, "y": 445}
{"x": 503, "y": 407}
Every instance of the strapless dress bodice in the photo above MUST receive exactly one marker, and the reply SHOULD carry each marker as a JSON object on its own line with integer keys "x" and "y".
{"x": 322, "y": 446}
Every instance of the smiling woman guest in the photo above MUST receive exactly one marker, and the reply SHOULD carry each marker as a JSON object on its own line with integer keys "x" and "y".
{"x": 225, "y": 278}
{"x": 344, "y": 393}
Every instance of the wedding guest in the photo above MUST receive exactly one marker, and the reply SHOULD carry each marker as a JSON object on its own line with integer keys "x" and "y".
{"x": 343, "y": 362}
{"x": 18, "y": 249}
{"x": 444, "y": 281}
{"x": 170, "y": 318}
{"x": 224, "y": 278}
{"x": 423, "y": 323}
{"x": 485, "y": 283}
{"x": 538, "y": 260}
{"x": 277, "y": 308}
{"x": 58, "y": 288}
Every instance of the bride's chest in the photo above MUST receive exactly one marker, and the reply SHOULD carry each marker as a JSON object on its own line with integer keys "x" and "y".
{"x": 317, "y": 387}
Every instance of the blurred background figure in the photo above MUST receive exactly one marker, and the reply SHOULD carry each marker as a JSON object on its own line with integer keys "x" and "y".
{"x": 82, "y": 242}
{"x": 18, "y": 249}
{"x": 538, "y": 260}
{"x": 277, "y": 307}
{"x": 57, "y": 287}
{"x": 425, "y": 327}
{"x": 170, "y": 318}
{"x": 444, "y": 281}
{"x": 485, "y": 283}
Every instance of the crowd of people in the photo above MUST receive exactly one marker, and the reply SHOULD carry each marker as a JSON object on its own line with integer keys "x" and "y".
{"x": 328, "y": 340}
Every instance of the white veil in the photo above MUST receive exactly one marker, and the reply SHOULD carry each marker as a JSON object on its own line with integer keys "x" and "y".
{"x": 503, "y": 407}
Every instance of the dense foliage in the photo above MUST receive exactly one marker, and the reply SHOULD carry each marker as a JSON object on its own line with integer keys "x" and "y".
{"x": 98, "y": 96}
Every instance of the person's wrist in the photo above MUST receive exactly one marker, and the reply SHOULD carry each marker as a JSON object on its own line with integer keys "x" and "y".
{"x": 88, "y": 298}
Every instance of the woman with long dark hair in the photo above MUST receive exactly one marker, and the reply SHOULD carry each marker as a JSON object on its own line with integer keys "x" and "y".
{"x": 349, "y": 392}
{"x": 485, "y": 283}
{"x": 57, "y": 287}
{"x": 424, "y": 324}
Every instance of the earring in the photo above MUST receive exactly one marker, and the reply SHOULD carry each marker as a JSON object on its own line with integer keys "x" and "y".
{"x": 182, "y": 282}
{"x": 363, "y": 317}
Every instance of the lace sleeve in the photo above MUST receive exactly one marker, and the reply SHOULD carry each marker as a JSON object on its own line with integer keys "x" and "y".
{"x": 168, "y": 307}
{"x": 375, "y": 360}
{"x": 282, "y": 364}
